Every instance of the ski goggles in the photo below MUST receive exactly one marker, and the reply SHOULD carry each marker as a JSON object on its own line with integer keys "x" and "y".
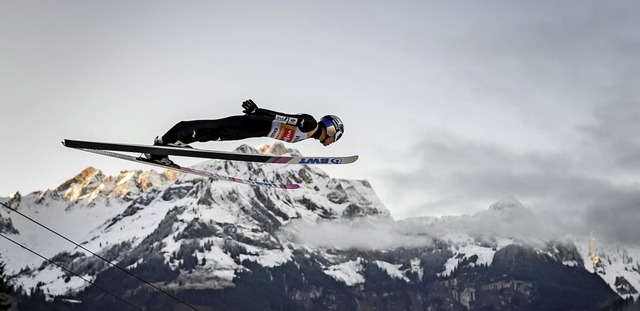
{"x": 332, "y": 130}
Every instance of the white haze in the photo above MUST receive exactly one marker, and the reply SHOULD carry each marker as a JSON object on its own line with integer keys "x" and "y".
{"x": 505, "y": 219}
{"x": 356, "y": 234}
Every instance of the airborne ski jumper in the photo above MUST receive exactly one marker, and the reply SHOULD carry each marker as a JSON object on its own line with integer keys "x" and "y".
{"x": 256, "y": 122}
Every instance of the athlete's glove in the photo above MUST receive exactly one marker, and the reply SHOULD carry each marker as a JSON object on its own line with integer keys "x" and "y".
{"x": 249, "y": 107}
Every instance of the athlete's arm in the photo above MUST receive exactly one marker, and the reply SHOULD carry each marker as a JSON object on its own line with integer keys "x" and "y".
{"x": 303, "y": 121}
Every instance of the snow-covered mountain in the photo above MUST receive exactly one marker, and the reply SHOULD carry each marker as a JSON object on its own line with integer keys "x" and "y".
{"x": 508, "y": 222}
{"x": 329, "y": 245}
{"x": 618, "y": 265}
{"x": 104, "y": 213}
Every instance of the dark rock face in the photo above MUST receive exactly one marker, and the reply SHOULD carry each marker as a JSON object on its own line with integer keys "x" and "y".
{"x": 519, "y": 279}
{"x": 6, "y": 226}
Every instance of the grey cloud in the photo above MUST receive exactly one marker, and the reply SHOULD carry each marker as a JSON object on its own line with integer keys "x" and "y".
{"x": 508, "y": 218}
{"x": 614, "y": 138}
{"x": 589, "y": 186}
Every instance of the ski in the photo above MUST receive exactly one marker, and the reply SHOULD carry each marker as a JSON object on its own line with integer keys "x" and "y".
{"x": 194, "y": 171}
{"x": 209, "y": 154}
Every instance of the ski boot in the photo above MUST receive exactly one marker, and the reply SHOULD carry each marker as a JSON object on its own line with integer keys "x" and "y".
{"x": 162, "y": 159}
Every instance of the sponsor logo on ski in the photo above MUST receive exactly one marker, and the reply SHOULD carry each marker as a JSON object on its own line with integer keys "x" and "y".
{"x": 260, "y": 183}
{"x": 320, "y": 161}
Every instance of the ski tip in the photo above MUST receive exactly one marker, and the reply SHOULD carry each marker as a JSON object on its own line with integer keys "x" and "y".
{"x": 350, "y": 159}
{"x": 291, "y": 186}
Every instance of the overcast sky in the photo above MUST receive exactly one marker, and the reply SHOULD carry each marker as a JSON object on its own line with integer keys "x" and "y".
{"x": 452, "y": 105}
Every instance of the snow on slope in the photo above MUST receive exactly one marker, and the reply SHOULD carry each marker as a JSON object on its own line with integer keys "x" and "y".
{"x": 74, "y": 210}
{"x": 101, "y": 217}
{"x": 465, "y": 248}
{"x": 392, "y": 270}
{"x": 618, "y": 266}
{"x": 72, "y": 220}
{"x": 170, "y": 214}
{"x": 347, "y": 272}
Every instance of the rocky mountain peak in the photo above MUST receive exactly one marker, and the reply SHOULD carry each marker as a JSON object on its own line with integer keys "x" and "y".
{"x": 91, "y": 183}
{"x": 506, "y": 204}
{"x": 81, "y": 184}
{"x": 15, "y": 199}
{"x": 508, "y": 217}
{"x": 330, "y": 243}
{"x": 510, "y": 210}
{"x": 318, "y": 246}
{"x": 244, "y": 148}
{"x": 278, "y": 148}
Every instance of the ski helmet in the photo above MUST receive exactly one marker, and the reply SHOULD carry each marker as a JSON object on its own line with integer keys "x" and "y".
{"x": 334, "y": 126}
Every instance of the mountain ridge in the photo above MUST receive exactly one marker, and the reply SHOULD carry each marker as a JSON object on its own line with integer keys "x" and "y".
{"x": 333, "y": 241}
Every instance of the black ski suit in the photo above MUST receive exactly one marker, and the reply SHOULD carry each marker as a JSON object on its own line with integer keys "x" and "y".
{"x": 262, "y": 123}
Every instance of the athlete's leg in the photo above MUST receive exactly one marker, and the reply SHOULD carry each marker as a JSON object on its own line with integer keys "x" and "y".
{"x": 230, "y": 128}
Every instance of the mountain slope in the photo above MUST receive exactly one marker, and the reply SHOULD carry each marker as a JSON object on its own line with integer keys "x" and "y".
{"x": 329, "y": 245}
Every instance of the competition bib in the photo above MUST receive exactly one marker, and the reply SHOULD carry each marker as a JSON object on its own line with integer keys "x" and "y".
{"x": 286, "y": 132}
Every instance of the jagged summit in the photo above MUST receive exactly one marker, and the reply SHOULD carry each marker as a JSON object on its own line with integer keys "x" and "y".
{"x": 244, "y": 148}
{"x": 509, "y": 203}
{"x": 509, "y": 217}
{"x": 91, "y": 183}
{"x": 140, "y": 216}
{"x": 510, "y": 210}
{"x": 278, "y": 148}
{"x": 195, "y": 233}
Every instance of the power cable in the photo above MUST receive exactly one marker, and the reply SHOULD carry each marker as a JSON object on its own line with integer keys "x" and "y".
{"x": 102, "y": 258}
{"x": 65, "y": 269}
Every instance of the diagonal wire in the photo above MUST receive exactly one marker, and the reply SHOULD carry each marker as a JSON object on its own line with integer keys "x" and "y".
{"x": 65, "y": 269}
{"x": 102, "y": 258}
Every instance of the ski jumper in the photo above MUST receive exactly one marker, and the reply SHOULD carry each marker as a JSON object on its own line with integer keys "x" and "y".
{"x": 263, "y": 123}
